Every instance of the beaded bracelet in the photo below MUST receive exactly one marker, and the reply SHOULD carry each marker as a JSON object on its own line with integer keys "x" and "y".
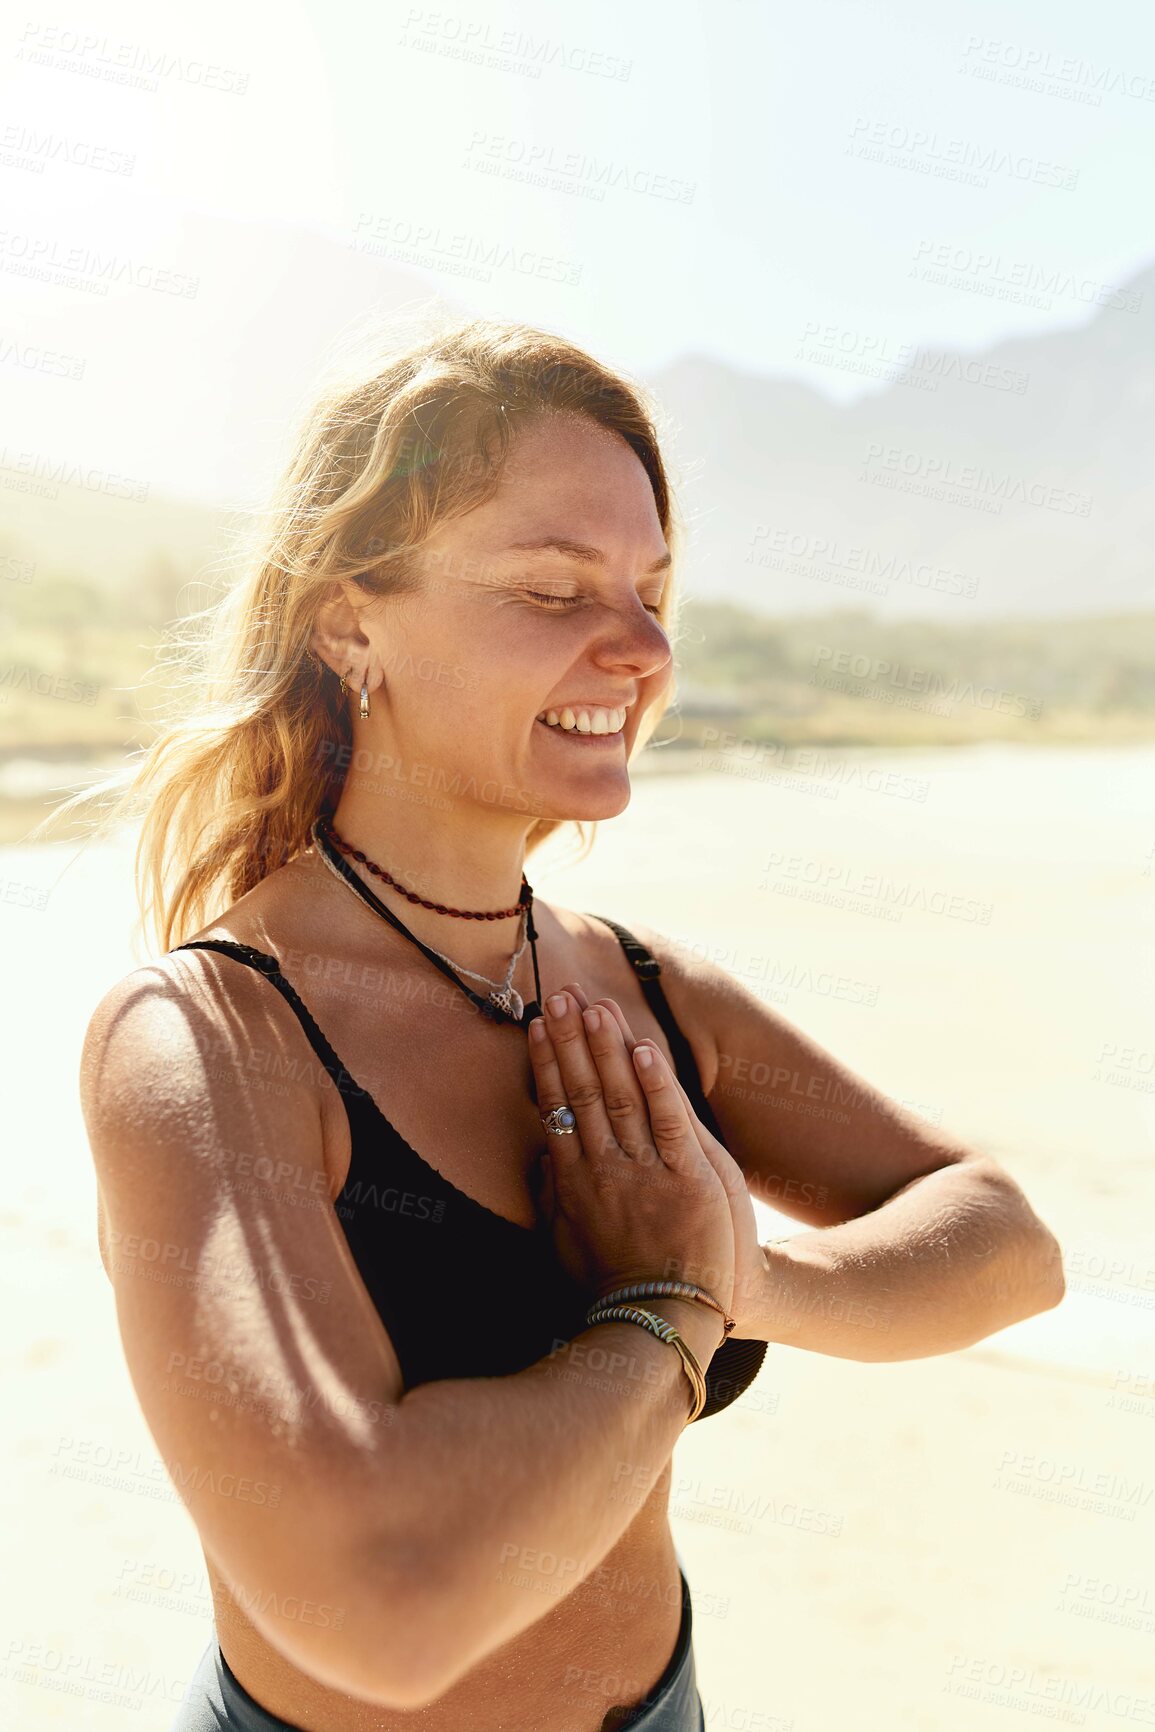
{"x": 665, "y": 1331}
{"x": 654, "y": 1289}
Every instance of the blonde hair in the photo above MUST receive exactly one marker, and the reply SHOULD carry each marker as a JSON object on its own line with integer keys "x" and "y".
{"x": 413, "y": 435}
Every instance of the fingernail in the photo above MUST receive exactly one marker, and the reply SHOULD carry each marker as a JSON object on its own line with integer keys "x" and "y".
{"x": 537, "y": 1029}
{"x": 556, "y": 1004}
{"x": 643, "y": 1057}
{"x": 592, "y": 1018}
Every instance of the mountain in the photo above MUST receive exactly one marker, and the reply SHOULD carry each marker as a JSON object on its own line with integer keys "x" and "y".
{"x": 1013, "y": 481}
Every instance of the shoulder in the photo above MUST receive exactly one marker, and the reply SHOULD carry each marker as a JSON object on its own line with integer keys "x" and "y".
{"x": 174, "y": 983}
{"x": 172, "y": 1045}
{"x": 702, "y": 996}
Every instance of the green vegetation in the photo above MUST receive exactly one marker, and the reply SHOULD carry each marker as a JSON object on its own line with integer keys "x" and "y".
{"x": 82, "y": 679}
{"x": 850, "y": 677}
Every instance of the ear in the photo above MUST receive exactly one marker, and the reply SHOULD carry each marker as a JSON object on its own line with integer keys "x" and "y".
{"x": 336, "y": 635}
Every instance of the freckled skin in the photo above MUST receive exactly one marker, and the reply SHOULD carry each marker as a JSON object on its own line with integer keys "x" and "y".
{"x": 458, "y": 674}
{"x": 448, "y": 774}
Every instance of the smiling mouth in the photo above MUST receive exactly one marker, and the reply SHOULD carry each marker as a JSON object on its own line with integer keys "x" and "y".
{"x": 585, "y": 739}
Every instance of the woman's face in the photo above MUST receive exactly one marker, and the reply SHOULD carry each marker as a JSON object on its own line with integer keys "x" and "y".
{"x": 500, "y": 635}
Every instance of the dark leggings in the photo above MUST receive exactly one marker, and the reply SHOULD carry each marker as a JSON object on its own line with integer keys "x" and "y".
{"x": 216, "y": 1700}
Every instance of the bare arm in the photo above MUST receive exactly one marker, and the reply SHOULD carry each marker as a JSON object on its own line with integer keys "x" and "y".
{"x": 950, "y": 1258}
{"x": 523, "y": 1477}
{"x": 923, "y": 1245}
{"x": 274, "y": 1393}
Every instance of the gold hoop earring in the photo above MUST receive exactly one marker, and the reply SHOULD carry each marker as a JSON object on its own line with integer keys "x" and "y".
{"x": 364, "y": 702}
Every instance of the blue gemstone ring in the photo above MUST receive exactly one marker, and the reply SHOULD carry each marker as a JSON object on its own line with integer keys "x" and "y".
{"x": 559, "y": 1122}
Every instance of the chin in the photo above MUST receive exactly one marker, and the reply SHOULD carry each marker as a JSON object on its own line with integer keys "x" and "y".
{"x": 589, "y": 807}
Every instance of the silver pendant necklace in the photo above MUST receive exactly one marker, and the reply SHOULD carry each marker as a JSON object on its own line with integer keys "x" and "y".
{"x": 502, "y": 993}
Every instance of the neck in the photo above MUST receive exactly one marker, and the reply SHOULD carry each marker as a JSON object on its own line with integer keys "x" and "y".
{"x": 444, "y": 857}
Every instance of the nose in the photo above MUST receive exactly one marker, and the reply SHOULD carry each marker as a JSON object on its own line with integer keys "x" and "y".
{"x": 634, "y": 640}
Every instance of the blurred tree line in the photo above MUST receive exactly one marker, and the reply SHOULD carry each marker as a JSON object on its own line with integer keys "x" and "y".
{"x": 789, "y": 678}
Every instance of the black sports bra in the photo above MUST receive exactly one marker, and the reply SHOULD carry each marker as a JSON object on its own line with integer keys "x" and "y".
{"x": 425, "y": 1249}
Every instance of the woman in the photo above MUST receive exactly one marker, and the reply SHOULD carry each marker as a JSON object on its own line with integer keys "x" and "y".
{"x": 425, "y": 1474}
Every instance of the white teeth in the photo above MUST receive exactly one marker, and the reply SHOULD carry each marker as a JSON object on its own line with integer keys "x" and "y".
{"x": 586, "y": 721}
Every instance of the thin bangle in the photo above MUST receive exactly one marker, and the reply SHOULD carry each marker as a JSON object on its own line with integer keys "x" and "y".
{"x": 665, "y": 1331}
{"x": 669, "y": 1289}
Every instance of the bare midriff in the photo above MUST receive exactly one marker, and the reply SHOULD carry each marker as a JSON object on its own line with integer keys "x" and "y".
{"x": 599, "y": 1650}
{"x": 603, "y": 1645}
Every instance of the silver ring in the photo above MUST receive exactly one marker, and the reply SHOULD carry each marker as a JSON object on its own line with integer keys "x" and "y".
{"x": 559, "y": 1122}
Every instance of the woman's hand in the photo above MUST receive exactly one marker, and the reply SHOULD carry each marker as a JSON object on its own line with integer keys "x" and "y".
{"x": 752, "y": 1272}
{"x": 630, "y": 1195}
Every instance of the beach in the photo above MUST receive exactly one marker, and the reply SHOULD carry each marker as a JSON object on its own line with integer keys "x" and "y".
{"x": 936, "y": 1544}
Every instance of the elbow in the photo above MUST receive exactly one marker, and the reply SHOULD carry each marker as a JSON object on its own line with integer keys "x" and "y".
{"x": 1052, "y": 1278}
{"x": 406, "y": 1650}
{"x": 366, "y": 1617}
{"x": 1028, "y": 1263}
{"x": 1032, "y": 1280}
{"x": 1042, "y": 1281}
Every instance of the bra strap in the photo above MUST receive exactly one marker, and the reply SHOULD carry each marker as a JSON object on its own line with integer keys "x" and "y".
{"x": 648, "y": 968}
{"x": 262, "y": 963}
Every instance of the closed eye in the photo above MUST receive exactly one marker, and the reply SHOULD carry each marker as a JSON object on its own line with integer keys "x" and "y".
{"x": 574, "y": 600}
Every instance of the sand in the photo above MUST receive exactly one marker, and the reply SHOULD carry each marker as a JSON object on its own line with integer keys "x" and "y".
{"x": 934, "y": 1544}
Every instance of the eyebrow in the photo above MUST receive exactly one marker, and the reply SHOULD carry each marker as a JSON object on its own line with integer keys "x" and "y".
{"x": 580, "y": 550}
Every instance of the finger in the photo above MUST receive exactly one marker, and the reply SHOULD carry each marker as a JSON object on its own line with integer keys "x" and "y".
{"x": 718, "y": 1155}
{"x": 550, "y": 1091}
{"x": 619, "y": 1016}
{"x": 577, "y": 1082}
{"x": 630, "y": 1042}
{"x": 622, "y": 1093}
{"x": 674, "y": 1135}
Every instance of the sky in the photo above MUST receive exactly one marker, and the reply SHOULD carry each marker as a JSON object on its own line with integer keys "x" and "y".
{"x": 719, "y": 179}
